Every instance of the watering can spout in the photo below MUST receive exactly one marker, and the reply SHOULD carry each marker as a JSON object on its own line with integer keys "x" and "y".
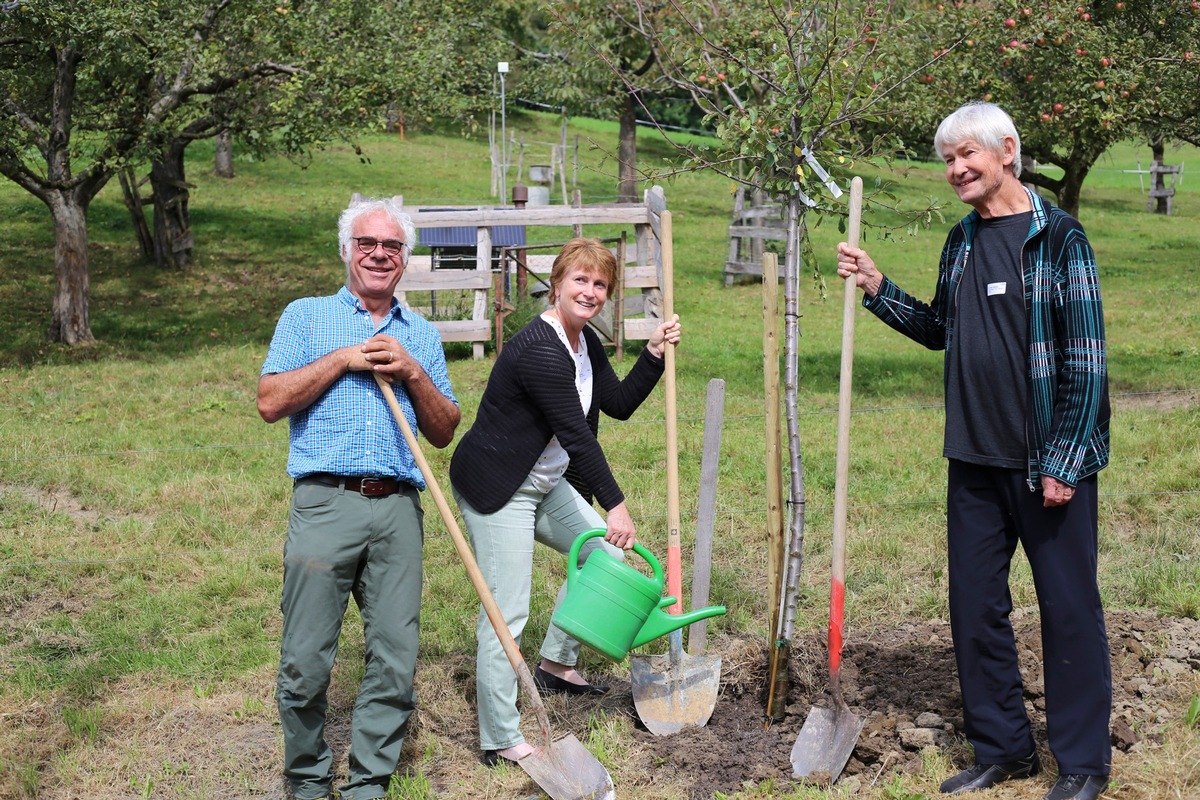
{"x": 660, "y": 623}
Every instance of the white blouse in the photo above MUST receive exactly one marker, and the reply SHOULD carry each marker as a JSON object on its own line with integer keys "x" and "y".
{"x": 552, "y": 463}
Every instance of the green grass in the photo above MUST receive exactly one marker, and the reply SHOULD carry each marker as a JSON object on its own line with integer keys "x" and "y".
{"x": 143, "y": 502}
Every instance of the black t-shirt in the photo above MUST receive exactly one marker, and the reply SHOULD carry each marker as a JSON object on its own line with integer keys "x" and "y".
{"x": 987, "y": 364}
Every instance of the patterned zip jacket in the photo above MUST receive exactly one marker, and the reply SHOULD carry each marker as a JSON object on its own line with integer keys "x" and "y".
{"x": 1066, "y": 430}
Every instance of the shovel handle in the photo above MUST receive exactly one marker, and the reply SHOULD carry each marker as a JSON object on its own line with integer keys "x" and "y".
{"x": 837, "y": 592}
{"x": 674, "y": 558}
{"x": 524, "y": 677}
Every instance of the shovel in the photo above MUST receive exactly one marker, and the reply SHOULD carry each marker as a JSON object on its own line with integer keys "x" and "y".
{"x": 829, "y": 734}
{"x": 673, "y": 691}
{"x": 564, "y": 769}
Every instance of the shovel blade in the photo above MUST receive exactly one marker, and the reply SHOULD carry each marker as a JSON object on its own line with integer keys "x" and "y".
{"x": 825, "y": 743}
{"x": 567, "y": 771}
{"x": 672, "y": 696}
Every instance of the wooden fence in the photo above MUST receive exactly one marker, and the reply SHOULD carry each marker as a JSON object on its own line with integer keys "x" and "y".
{"x": 637, "y": 315}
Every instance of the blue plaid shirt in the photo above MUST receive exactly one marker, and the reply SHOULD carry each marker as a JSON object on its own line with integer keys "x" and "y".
{"x": 350, "y": 430}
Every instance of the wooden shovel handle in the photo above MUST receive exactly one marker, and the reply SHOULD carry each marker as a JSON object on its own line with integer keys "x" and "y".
{"x": 524, "y": 677}
{"x": 837, "y": 596}
{"x": 674, "y": 557}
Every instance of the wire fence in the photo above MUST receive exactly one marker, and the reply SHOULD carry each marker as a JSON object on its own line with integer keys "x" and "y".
{"x": 726, "y": 512}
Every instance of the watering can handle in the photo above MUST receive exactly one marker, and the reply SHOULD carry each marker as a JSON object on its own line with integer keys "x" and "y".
{"x": 581, "y": 539}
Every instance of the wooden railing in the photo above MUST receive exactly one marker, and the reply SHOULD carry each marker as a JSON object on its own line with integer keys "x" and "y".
{"x": 645, "y": 275}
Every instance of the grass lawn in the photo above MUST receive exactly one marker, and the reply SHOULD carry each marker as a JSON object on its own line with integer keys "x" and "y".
{"x": 143, "y": 502}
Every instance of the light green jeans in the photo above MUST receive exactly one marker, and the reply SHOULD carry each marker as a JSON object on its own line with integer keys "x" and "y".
{"x": 503, "y": 544}
{"x": 341, "y": 543}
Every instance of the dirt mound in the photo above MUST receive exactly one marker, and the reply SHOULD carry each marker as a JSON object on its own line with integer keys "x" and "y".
{"x": 904, "y": 683}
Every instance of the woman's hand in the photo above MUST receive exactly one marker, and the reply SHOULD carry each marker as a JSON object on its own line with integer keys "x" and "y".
{"x": 621, "y": 532}
{"x": 669, "y": 332}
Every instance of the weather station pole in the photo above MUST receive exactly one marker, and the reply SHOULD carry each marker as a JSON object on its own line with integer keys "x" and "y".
{"x": 502, "y": 68}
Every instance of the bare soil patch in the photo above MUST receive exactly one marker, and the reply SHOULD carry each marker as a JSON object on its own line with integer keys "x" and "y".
{"x": 901, "y": 680}
{"x": 904, "y": 683}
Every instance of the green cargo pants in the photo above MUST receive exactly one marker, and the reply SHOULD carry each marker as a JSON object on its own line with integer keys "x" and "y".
{"x": 340, "y": 543}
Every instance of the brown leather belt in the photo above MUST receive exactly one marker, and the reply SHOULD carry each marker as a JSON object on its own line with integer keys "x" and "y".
{"x": 367, "y": 487}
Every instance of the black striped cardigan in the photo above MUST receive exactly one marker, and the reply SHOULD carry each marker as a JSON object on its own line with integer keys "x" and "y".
{"x": 531, "y": 396}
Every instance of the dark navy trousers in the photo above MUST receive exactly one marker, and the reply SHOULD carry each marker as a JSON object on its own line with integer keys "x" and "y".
{"x": 990, "y": 510}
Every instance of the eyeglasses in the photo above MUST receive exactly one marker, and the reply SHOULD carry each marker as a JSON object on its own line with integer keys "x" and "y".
{"x": 367, "y": 245}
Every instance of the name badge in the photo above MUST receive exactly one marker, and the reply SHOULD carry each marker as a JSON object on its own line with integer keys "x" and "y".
{"x": 997, "y": 288}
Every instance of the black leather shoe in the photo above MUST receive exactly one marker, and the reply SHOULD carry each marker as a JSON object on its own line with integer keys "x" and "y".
{"x": 1077, "y": 787}
{"x": 492, "y": 759}
{"x": 555, "y": 685}
{"x": 985, "y": 776}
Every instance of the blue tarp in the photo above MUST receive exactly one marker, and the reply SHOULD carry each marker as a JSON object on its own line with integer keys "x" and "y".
{"x": 464, "y": 236}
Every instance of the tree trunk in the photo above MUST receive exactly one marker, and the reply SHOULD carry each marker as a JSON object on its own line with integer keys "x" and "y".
{"x": 791, "y": 385}
{"x": 1158, "y": 151}
{"x": 627, "y": 186}
{"x": 223, "y": 164}
{"x": 69, "y": 321}
{"x": 1072, "y": 183}
{"x": 172, "y": 224}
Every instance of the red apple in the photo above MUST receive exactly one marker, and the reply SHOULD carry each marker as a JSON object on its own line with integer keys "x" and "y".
{"x": 1100, "y": 84}
{"x": 1044, "y": 117}
{"x": 1058, "y": 107}
{"x": 1104, "y": 62}
{"x": 720, "y": 76}
{"x": 1010, "y": 23}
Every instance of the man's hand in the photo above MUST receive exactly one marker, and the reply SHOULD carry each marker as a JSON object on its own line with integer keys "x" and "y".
{"x": 855, "y": 261}
{"x": 1055, "y": 492}
{"x": 387, "y": 358}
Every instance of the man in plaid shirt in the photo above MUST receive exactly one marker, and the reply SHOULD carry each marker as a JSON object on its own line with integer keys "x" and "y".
{"x": 1017, "y": 311}
{"x": 355, "y": 525}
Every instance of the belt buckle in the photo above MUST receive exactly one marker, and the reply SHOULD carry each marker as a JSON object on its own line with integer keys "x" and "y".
{"x": 374, "y": 487}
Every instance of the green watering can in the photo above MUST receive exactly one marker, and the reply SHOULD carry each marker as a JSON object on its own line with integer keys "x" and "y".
{"x": 612, "y": 607}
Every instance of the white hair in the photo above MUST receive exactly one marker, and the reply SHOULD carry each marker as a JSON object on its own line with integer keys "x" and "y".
{"x": 362, "y": 208}
{"x": 985, "y": 123}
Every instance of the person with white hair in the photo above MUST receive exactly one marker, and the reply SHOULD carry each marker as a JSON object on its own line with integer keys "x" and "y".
{"x": 355, "y": 525}
{"x": 1017, "y": 311}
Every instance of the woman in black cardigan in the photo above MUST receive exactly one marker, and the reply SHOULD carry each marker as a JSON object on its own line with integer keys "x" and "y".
{"x": 538, "y": 416}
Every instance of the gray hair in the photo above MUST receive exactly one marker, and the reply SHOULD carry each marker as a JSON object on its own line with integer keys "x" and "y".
{"x": 362, "y": 208}
{"x": 986, "y": 123}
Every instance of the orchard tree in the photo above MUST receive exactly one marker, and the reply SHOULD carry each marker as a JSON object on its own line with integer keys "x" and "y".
{"x": 1076, "y": 77}
{"x": 89, "y": 89}
{"x": 788, "y": 86}
{"x": 600, "y": 56}
{"x": 81, "y": 92}
{"x": 333, "y": 87}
